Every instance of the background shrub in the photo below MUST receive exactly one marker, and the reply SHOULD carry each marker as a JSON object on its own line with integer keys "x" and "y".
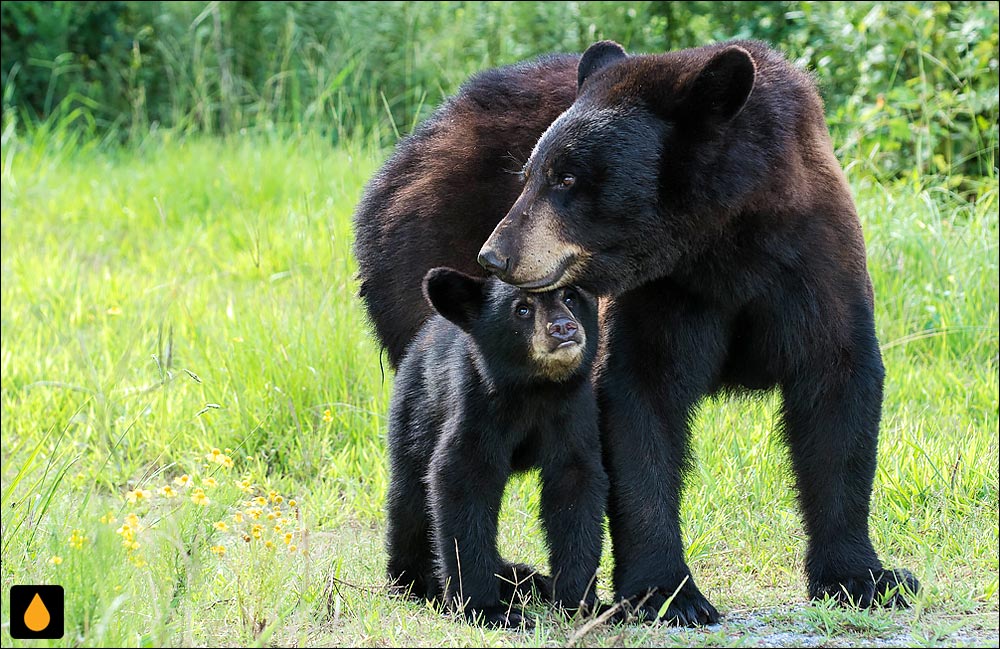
{"x": 908, "y": 86}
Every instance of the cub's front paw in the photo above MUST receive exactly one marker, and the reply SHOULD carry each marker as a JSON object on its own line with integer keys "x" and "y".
{"x": 520, "y": 582}
{"x": 500, "y": 617}
{"x": 686, "y": 607}
{"x": 874, "y": 588}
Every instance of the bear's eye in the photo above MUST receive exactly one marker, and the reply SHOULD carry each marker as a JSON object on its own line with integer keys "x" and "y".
{"x": 523, "y": 310}
{"x": 569, "y": 298}
{"x": 566, "y": 181}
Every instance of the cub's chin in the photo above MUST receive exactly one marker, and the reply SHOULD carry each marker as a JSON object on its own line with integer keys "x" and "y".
{"x": 558, "y": 362}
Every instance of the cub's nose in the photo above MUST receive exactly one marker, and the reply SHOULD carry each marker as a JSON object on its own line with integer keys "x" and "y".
{"x": 494, "y": 263}
{"x": 562, "y": 329}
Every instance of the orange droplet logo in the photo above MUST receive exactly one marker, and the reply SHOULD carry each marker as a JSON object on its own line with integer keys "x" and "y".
{"x": 37, "y": 616}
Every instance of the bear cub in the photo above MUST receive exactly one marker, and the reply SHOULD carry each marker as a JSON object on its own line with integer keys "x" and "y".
{"x": 496, "y": 382}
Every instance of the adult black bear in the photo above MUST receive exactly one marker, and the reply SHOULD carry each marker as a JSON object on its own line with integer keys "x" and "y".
{"x": 498, "y": 382}
{"x": 700, "y": 190}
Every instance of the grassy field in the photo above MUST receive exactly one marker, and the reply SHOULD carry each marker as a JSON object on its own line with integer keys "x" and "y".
{"x": 193, "y": 415}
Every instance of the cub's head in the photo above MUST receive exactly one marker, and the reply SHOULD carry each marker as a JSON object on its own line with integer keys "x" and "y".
{"x": 526, "y": 335}
{"x": 654, "y": 152}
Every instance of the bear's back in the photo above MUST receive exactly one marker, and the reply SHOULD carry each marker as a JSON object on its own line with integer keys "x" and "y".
{"x": 418, "y": 211}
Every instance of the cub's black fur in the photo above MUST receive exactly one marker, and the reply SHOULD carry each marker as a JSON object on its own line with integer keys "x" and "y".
{"x": 498, "y": 382}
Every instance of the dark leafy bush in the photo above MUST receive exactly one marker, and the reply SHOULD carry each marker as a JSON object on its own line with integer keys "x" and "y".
{"x": 909, "y": 86}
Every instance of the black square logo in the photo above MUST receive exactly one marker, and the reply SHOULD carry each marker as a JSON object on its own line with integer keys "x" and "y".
{"x": 36, "y": 612}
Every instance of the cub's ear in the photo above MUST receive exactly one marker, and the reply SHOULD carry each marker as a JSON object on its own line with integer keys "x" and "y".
{"x": 597, "y": 56}
{"x": 723, "y": 86}
{"x": 456, "y": 296}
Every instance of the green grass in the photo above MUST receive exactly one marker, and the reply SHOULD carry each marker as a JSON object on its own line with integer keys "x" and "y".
{"x": 186, "y": 295}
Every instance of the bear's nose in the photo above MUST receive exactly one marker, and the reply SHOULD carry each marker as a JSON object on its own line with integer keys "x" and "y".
{"x": 562, "y": 329}
{"x": 494, "y": 263}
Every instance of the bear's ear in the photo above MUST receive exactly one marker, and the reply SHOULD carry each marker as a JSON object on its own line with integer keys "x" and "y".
{"x": 723, "y": 86}
{"x": 456, "y": 296}
{"x": 596, "y": 57}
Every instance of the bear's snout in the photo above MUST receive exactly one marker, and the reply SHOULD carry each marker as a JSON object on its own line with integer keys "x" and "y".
{"x": 494, "y": 262}
{"x": 562, "y": 329}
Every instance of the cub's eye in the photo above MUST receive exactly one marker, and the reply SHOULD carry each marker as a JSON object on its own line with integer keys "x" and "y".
{"x": 523, "y": 311}
{"x": 565, "y": 181}
{"x": 569, "y": 298}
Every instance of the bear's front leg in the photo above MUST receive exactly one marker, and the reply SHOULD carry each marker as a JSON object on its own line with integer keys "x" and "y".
{"x": 662, "y": 355}
{"x": 574, "y": 495}
{"x": 466, "y": 490}
{"x": 831, "y": 419}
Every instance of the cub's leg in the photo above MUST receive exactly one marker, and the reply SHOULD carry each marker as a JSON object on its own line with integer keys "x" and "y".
{"x": 412, "y": 565}
{"x": 467, "y": 481}
{"x": 574, "y": 496}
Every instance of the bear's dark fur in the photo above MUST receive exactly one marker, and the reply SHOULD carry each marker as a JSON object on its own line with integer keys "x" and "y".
{"x": 499, "y": 382}
{"x": 463, "y": 162}
{"x": 699, "y": 189}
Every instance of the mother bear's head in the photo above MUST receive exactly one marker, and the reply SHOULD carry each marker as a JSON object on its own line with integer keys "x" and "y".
{"x": 654, "y": 158}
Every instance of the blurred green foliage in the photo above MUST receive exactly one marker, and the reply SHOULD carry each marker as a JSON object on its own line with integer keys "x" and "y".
{"x": 910, "y": 87}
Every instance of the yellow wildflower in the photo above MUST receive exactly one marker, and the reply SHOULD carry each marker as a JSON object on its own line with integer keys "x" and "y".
{"x": 271, "y": 516}
{"x": 288, "y": 537}
{"x": 218, "y": 549}
{"x": 182, "y": 481}
{"x": 226, "y": 461}
{"x": 292, "y": 548}
{"x": 292, "y": 503}
{"x": 254, "y": 513}
{"x": 278, "y": 499}
{"x": 128, "y": 531}
{"x": 198, "y": 497}
{"x": 245, "y": 485}
{"x": 108, "y": 518}
{"x": 56, "y": 560}
{"x": 139, "y": 495}
{"x": 257, "y": 530}
{"x": 238, "y": 517}
{"x": 168, "y": 492}
{"x": 221, "y": 526}
{"x": 210, "y": 482}
{"x": 114, "y": 310}
{"x": 213, "y": 455}
{"x": 77, "y": 539}
{"x": 327, "y": 416}
{"x": 268, "y": 545}
{"x": 260, "y": 501}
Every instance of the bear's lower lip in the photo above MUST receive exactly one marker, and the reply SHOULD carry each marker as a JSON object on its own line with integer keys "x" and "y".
{"x": 552, "y": 280}
{"x": 568, "y": 343}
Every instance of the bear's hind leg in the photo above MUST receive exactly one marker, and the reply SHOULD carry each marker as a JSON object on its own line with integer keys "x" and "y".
{"x": 411, "y": 567}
